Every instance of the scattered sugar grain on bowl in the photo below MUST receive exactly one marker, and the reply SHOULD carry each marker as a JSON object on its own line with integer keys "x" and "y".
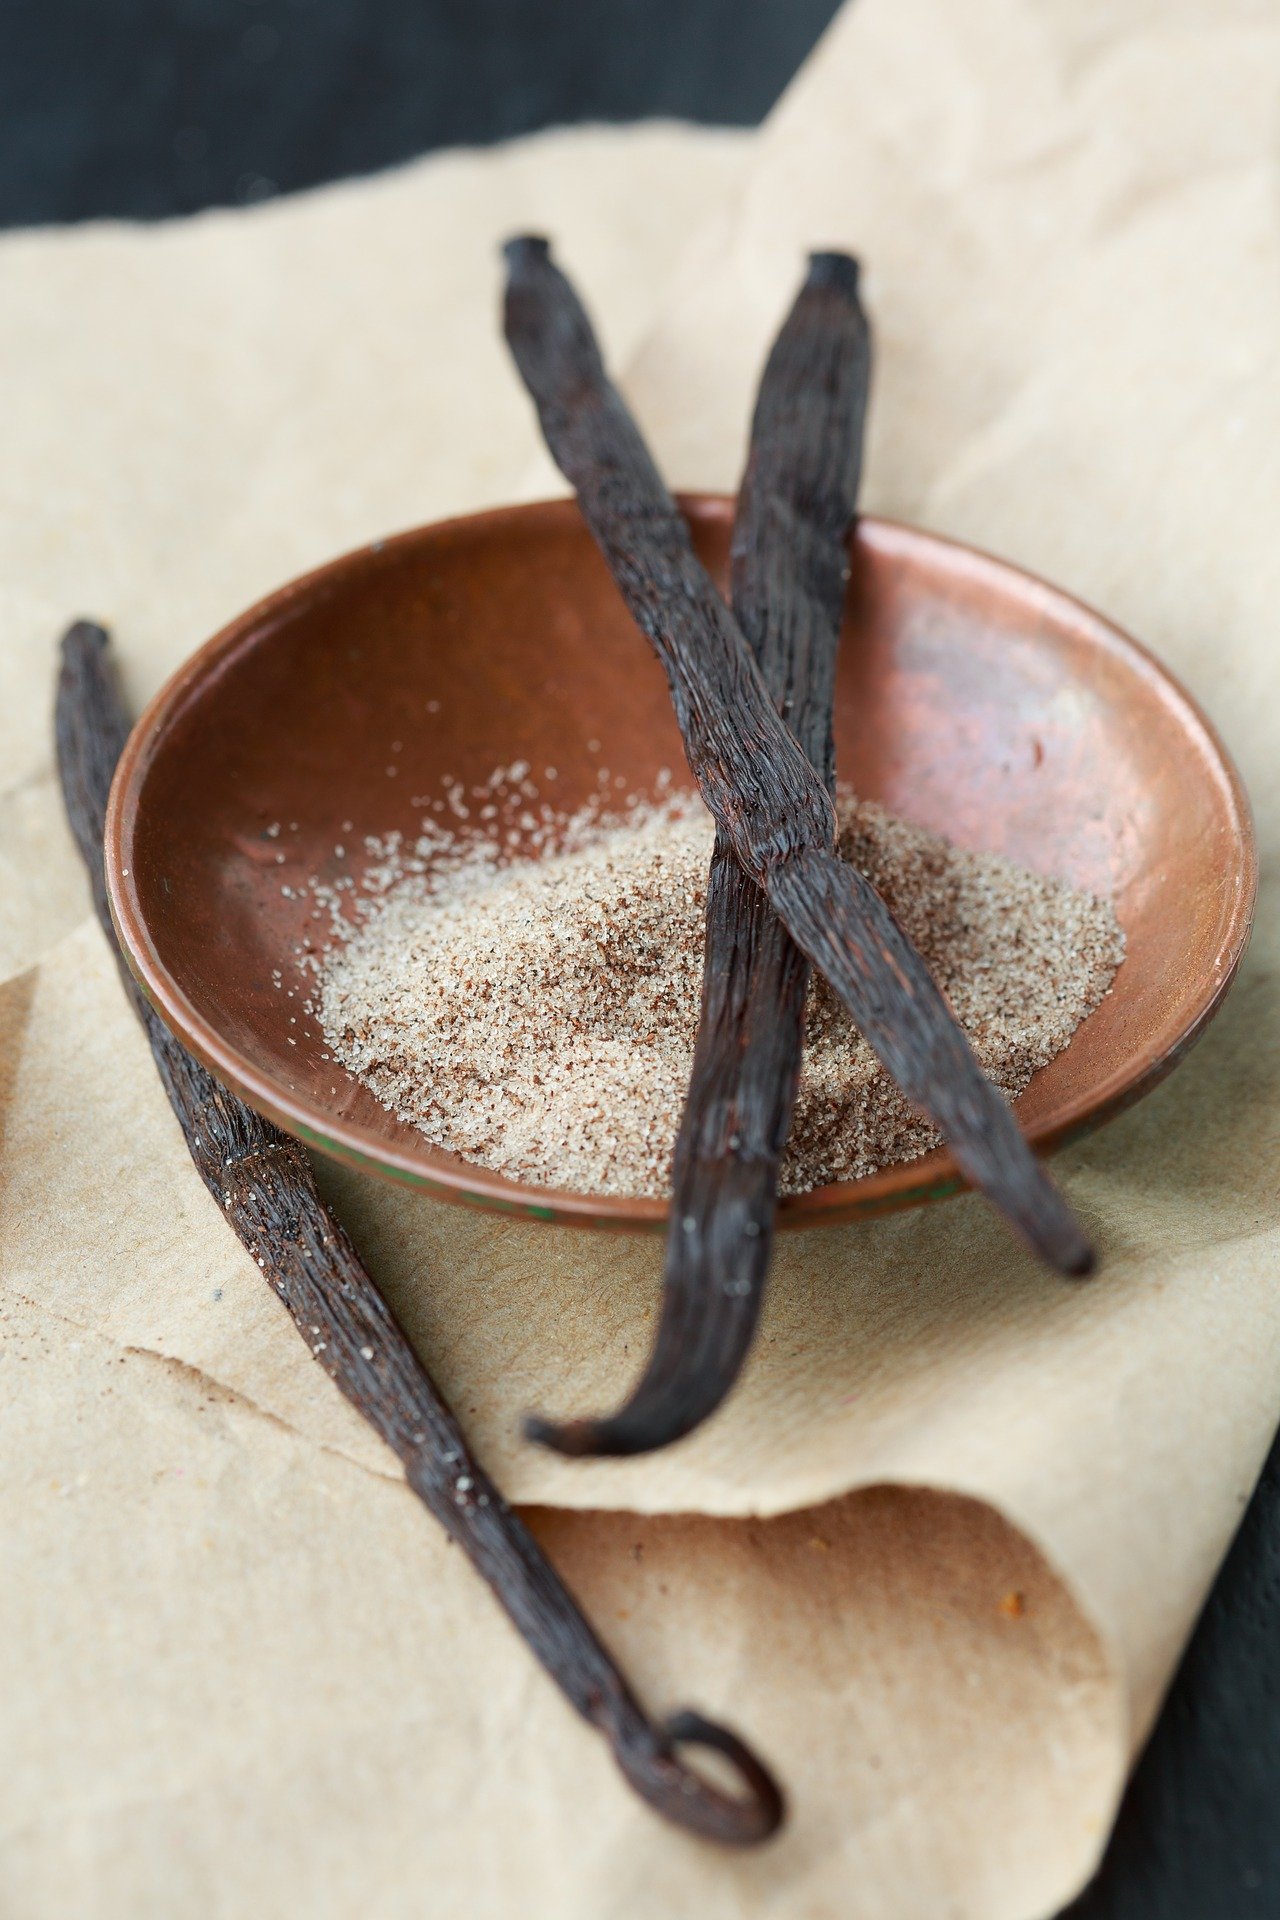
{"x": 535, "y": 1011}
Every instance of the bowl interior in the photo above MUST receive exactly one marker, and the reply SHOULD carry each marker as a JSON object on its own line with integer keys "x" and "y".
{"x": 971, "y": 698}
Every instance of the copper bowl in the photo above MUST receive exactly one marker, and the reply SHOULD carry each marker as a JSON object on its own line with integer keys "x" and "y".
{"x": 972, "y": 698}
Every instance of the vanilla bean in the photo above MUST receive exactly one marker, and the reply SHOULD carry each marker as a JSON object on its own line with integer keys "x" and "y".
{"x": 789, "y": 572}
{"x": 766, "y": 799}
{"x": 263, "y": 1183}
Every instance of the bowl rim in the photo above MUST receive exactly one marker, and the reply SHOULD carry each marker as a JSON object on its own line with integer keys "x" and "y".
{"x": 450, "y": 1177}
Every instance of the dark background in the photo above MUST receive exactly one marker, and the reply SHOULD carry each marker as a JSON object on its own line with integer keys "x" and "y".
{"x": 153, "y": 107}
{"x": 145, "y": 108}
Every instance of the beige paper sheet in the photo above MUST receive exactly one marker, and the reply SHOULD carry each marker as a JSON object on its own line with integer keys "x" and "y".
{"x": 270, "y": 1690}
{"x": 920, "y": 1350}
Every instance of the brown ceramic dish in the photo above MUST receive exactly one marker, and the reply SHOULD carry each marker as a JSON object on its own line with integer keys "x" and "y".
{"x": 972, "y": 699}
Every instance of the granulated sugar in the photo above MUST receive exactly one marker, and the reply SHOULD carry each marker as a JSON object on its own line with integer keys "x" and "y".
{"x": 539, "y": 1017}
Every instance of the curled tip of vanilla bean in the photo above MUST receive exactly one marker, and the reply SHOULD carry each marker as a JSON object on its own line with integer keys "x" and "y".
{"x": 669, "y": 1784}
{"x": 265, "y": 1188}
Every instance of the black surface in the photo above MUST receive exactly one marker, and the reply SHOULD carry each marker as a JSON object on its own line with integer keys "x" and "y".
{"x": 152, "y": 107}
